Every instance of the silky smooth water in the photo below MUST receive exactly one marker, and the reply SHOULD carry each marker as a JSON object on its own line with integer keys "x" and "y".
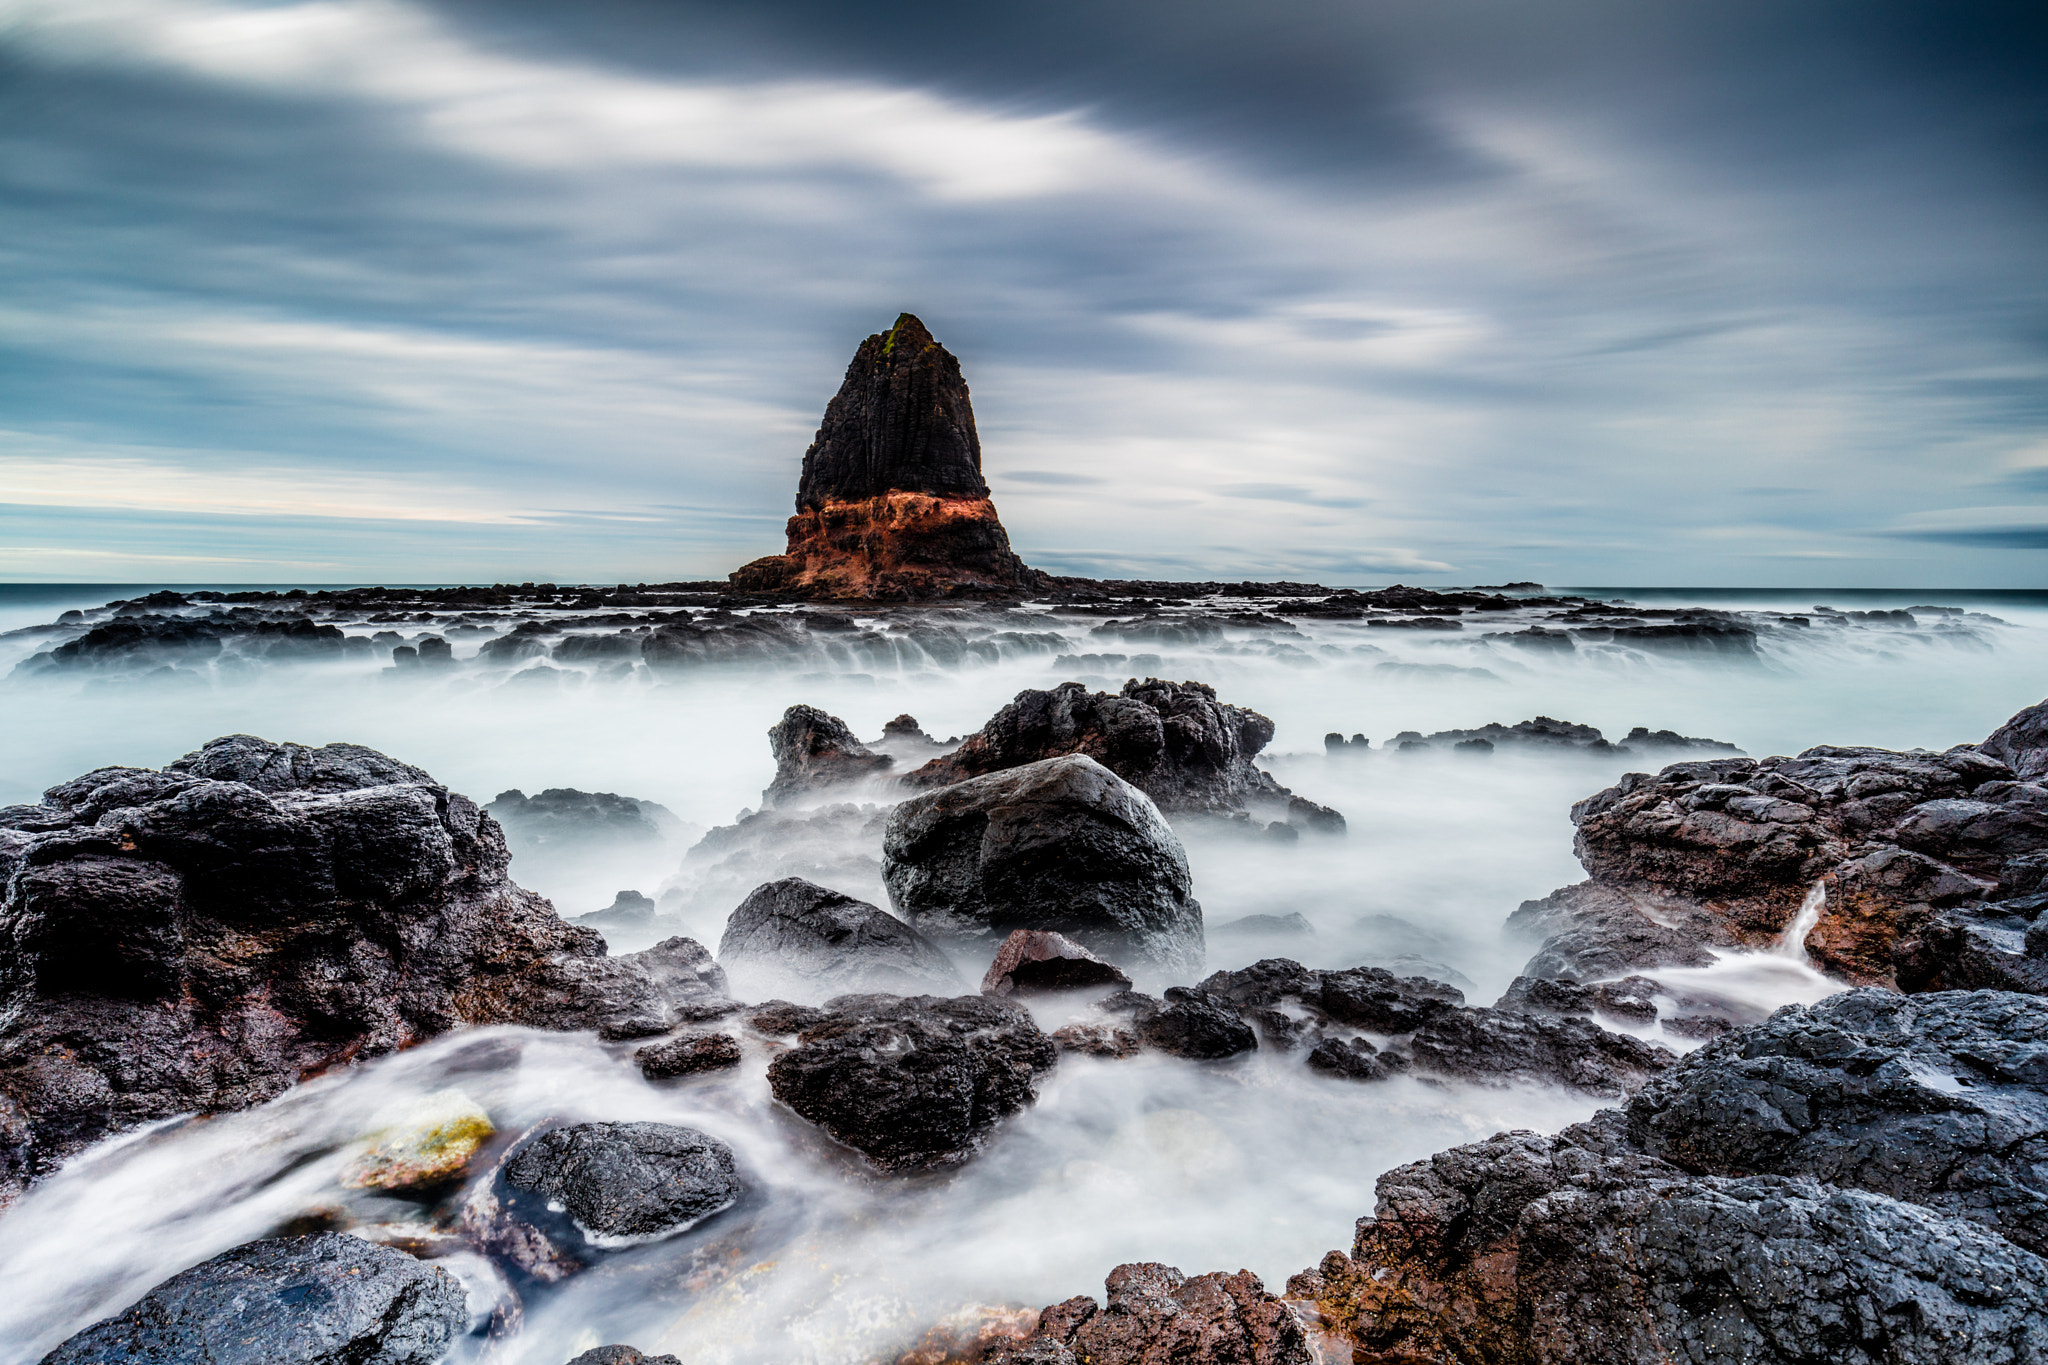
{"x": 1256, "y": 1163}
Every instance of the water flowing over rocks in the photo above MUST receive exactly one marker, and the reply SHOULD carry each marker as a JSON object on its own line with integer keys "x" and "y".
{"x": 202, "y": 937}
{"x": 793, "y": 933}
{"x": 1062, "y": 844}
{"x": 327, "y": 1299}
{"x": 1929, "y": 866}
{"x": 628, "y": 1180}
{"x": 1190, "y": 753}
{"x": 891, "y": 504}
{"x": 913, "y": 1083}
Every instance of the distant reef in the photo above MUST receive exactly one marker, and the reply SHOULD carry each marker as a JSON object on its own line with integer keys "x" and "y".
{"x": 892, "y": 505}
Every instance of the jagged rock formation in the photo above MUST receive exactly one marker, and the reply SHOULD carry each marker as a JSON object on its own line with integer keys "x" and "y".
{"x": 201, "y": 938}
{"x": 892, "y": 505}
{"x": 1189, "y": 752}
{"x": 815, "y": 752}
{"x": 1157, "y": 1316}
{"x": 1923, "y": 870}
{"x": 1852, "y": 1181}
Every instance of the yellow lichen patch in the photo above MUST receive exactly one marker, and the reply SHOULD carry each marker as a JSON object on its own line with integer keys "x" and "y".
{"x": 421, "y": 1143}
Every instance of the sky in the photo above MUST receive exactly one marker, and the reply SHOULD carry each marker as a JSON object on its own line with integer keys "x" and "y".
{"x": 1432, "y": 291}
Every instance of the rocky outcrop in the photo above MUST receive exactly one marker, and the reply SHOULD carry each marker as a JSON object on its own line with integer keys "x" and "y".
{"x": 1927, "y": 868}
{"x": 913, "y": 1083}
{"x": 1037, "y": 960}
{"x": 1545, "y": 735}
{"x": 815, "y": 752}
{"x": 328, "y": 1299}
{"x": 891, "y": 505}
{"x": 200, "y": 938}
{"x": 1856, "y": 1180}
{"x": 1192, "y": 754}
{"x": 1941, "y": 1099}
{"x": 622, "y": 1355}
{"x": 628, "y": 1180}
{"x": 1064, "y": 845}
{"x": 1424, "y": 1026}
{"x": 1154, "y": 1315}
{"x": 563, "y": 819}
{"x": 796, "y": 936}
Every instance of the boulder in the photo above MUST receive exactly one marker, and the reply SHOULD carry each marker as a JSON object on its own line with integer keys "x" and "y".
{"x": 328, "y": 1299}
{"x": 564, "y": 821}
{"x": 1195, "y": 1025}
{"x": 1189, "y": 752}
{"x": 688, "y": 1056}
{"x": 1063, "y": 845}
{"x": 621, "y": 1355}
{"x": 628, "y": 1181}
{"x": 199, "y": 938}
{"x": 1941, "y": 1099}
{"x": 914, "y": 1083}
{"x": 2022, "y": 743}
{"x": 793, "y": 935}
{"x": 1154, "y": 1315}
{"x": 1037, "y": 960}
{"x": 815, "y": 752}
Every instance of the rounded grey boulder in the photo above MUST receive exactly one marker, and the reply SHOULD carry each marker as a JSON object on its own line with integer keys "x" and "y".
{"x": 621, "y": 1180}
{"x": 327, "y": 1299}
{"x": 796, "y": 936}
{"x": 1062, "y": 844}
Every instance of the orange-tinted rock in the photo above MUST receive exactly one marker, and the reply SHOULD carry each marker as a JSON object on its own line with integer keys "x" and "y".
{"x": 892, "y": 504}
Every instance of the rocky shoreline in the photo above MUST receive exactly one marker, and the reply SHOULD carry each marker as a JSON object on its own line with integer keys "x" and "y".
{"x": 1858, "y": 1179}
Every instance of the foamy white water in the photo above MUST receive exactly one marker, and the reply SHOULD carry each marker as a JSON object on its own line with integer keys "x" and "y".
{"x": 1257, "y": 1163}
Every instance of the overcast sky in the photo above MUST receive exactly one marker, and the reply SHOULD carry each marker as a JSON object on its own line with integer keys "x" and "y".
{"x": 1439, "y": 291}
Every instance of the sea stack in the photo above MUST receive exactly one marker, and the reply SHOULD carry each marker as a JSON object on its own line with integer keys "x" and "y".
{"x": 892, "y": 505}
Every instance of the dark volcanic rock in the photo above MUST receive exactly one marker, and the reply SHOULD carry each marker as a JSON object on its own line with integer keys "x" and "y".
{"x": 891, "y": 503}
{"x": 1589, "y": 931}
{"x": 621, "y": 1355}
{"x": 1154, "y": 1315}
{"x": 2022, "y": 743}
{"x": 793, "y": 933}
{"x": 687, "y": 1056}
{"x": 1174, "y": 741}
{"x": 200, "y": 938}
{"x": 1494, "y": 1046}
{"x": 916, "y": 1082}
{"x": 621, "y": 1180}
{"x": 1577, "y": 1250}
{"x": 1545, "y": 735}
{"x": 1064, "y": 845}
{"x": 1941, "y": 1099}
{"x": 1926, "y": 864}
{"x": 1195, "y": 1025}
{"x": 328, "y": 1299}
{"x": 563, "y": 819}
{"x": 1037, "y": 960}
{"x": 815, "y": 752}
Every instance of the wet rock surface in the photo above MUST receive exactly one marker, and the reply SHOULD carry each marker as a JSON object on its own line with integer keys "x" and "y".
{"x": 913, "y": 1082}
{"x": 1152, "y": 1314}
{"x": 1189, "y": 752}
{"x": 628, "y": 1180}
{"x": 622, "y": 1355}
{"x": 1941, "y": 1099}
{"x": 1928, "y": 864}
{"x": 1062, "y": 845}
{"x": 794, "y": 934}
{"x": 815, "y": 752}
{"x": 200, "y": 938}
{"x": 327, "y": 1299}
{"x": 1855, "y": 1180}
{"x": 690, "y": 1055}
{"x": 1545, "y": 735}
{"x": 1037, "y": 960}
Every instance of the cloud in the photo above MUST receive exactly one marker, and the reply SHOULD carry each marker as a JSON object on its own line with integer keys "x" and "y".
{"x": 1053, "y": 477}
{"x": 1991, "y": 528}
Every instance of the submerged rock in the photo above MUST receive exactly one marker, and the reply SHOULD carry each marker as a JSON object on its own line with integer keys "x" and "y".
{"x": 628, "y": 1180}
{"x": 422, "y": 1144}
{"x": 200, "y": 938}
{"x": 815, "y": 752}
{"x": 914, "y": 1083}
{"x": 329, "y": 1299}
{"x": 1038, "y": 960}
{"x": 1154, "y": 1315}
{"x": 1062, "y": 845}
{"x": 795, "y": 934}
